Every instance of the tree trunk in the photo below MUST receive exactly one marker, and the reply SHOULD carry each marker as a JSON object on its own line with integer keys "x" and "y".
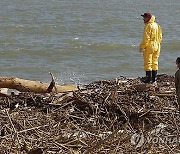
{"x": 33, "y": 86}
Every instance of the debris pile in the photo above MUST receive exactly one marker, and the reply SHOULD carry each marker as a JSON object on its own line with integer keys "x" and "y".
{"x": 109, "y": 116}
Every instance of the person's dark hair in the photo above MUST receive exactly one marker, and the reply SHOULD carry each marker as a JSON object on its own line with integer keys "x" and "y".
{"x": 178, "y": 60}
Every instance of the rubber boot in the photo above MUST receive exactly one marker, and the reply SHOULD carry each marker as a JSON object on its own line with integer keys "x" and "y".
{"x": 148, "y": 77}
{"x": 154, "y": 74}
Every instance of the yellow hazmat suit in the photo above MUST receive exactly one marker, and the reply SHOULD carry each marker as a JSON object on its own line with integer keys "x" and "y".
{"x": 151, "y": 44}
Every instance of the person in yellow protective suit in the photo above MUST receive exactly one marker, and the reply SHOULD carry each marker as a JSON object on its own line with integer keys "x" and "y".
{"x": 151, "y": 46}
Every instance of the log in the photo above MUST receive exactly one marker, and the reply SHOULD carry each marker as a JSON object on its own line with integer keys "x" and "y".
{"x": 24, "y": 85}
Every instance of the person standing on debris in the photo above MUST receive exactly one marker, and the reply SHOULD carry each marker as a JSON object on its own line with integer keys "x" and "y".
{"x": 177, "y": 80}
{"x": 151, "y": 46}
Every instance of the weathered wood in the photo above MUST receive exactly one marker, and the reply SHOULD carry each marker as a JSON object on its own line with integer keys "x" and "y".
{"x": 144, "y": 86}
{"x": 165, "y": 95}
{"x": 23, "y": 85}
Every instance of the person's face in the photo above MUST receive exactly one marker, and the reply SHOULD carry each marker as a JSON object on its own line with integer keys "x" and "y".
{"x": 178, "y": 65}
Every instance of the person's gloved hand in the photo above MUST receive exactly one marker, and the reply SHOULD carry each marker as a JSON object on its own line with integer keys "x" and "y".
{"x": 141, "y": 50}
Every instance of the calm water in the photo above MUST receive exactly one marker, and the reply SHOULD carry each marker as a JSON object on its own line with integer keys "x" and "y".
{"x": 82, "y": 40}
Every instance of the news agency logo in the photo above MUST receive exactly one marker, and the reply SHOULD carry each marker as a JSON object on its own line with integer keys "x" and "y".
{"x": 139, "y": 139}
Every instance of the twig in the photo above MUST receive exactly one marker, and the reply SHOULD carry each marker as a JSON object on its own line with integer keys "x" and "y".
{"x": 13, "y": 128}
{"x": 52, "y": 84}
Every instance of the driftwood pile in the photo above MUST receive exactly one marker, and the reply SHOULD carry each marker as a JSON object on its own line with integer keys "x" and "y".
{"x": 114, "y": 116}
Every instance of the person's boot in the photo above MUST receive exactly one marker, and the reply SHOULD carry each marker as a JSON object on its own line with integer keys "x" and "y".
{"x": 154, "y": 74}
{"x": 148, "y": 77}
